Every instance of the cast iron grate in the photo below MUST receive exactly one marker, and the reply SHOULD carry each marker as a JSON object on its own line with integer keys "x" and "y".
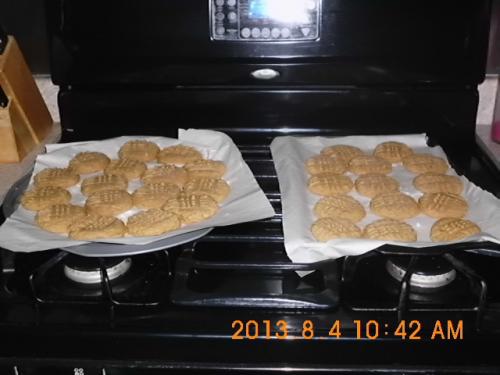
{"x": 142, "y": 286}
{"x": 208, "y": 254}
{"x": 246, "y": 265}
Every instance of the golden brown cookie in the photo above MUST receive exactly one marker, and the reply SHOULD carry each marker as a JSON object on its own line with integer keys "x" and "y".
{"x": 152, "y": 223}
{"x": 393, "y": 152}
{"x": 340, "y": 206}
{"x": 166, "y": 173}
{"x": 373, "y": 184}
{"x": 439, "y": 205}
{"x": 130, "y": 169}
{"x": 397, "y": 206}
{"x": 327, "y": 228}
{"x": 390, "y": 230}
{"x": 88, "y": 162}
{"x": 44, "y": 197}
{"x": 329, "y": 184}
{"x": 144, "y": 151}
{"x": 217, "y": 188}
{"x": 192, "y": 208}
{"x": 94, "y": 227}
{"x": 155, "y": 195}
{"x": 108, "y": 202}
{"x": 179, "y": 154}
{"x": 92, "y": 185}
{"x": 438, "y": 183}
{"x": 453, "y": 229}
{"x": 60, "y": 177}
{"x": 205, "y": 168}
{"x": 343, "y": 152}
{"x": 325, "y": 164}
{"x": 369, "y": 164}
{"x": 423, "y": 163}
{"x": 59, "y": 217}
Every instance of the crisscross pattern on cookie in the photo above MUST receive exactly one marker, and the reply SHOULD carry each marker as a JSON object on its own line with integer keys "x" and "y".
{"x": 390, "y": 230}
{"x": 423, "y": 163}
{"x": 139, "y": 150}
{"x": 369, "y": 164}
{"x": 330, "y": 184}
{"x": 153, "y": 222}
{"x": 325, "y": 164}
{"x": 439, "y": 205}
{"x": 206, "y": 168}
{"x": 393, "y": 152}
{"x": 453, "y": 229}
{"x": 61, "y": 177}
{"x": 179, "y": 154}
{"x": 192, "y": 208}
{"x": 340, "y": 206}
{"x": 218, "y": 189}
{"x": 344, "y": 152}
{"x": 394, "y": 206}
{"x": 109, "y": 202}
{"x": 43, "y": 197}
{"x": 438, "y": 183}
{"x": 373, "y": 184}
{"x": 327, "y": 228}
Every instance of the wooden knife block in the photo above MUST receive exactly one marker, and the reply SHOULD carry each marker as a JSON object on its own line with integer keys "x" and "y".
{"x": 26, "y": 121}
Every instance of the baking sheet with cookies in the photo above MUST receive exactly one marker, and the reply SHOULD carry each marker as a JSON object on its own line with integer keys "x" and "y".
{"x": 245, "y": 202}
{"x": 290, "y": 155}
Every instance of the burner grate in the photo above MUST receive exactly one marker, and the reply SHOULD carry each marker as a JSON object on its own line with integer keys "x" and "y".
{"x": 246, "y": 265}
{"x": 268, "y": 234}
{"x": 467, "y": 293}
{"x": 141, "y": 286}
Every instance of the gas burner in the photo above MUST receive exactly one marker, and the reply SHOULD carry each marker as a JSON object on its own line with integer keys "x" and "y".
{"x": 429, "y": 272}
{"x": 87, "y": 270}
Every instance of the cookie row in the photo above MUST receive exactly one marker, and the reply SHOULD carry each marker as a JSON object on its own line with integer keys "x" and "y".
{"x": 343, "y": 158}
{"x": 92, "y": 162}
{"x": 372, "y": 184}
{"x": 136, "y": 150}
{"x": 445, "y": 229}
{"x": 81, "y": 224}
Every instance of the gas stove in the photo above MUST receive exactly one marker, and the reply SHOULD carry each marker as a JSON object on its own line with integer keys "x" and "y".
{"x": 232, "y": 301}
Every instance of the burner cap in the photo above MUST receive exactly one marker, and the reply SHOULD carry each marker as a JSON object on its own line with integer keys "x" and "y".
{"x": 87, "y": 270}
{"x": 81, "y": 263}
{"x": 429, "y": 272}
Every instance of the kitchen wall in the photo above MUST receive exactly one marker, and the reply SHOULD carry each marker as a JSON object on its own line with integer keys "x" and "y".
{"x": 49, "y": 93}
{"x": 25, "y": 19}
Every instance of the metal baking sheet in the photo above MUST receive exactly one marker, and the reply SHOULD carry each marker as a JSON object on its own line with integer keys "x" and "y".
{"x": 290, "y": 155}
{"x": 246, "y": 202}
{"x": 101, "y": 249}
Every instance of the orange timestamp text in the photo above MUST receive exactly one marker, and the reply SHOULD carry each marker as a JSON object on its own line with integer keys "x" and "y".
{"x": 367, "y": 330}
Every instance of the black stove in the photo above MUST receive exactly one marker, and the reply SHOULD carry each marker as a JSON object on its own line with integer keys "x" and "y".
{"x": 232, "y": 301}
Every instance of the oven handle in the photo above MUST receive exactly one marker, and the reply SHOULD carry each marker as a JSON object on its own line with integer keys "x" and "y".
{"x": 265, "y": 74}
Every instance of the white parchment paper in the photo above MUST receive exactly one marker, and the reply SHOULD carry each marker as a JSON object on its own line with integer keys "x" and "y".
{"x": 247, "y": 201}
{"x": 290, "y": 154}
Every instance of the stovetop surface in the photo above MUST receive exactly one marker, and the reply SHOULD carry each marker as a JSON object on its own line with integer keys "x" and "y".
{"x": 178, "y": 301}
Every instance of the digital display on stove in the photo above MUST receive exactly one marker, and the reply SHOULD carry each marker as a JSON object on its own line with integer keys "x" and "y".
{"x": 287, "y": 11}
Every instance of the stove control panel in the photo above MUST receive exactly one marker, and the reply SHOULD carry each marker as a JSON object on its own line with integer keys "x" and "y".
{"x": 265, "y": 20}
